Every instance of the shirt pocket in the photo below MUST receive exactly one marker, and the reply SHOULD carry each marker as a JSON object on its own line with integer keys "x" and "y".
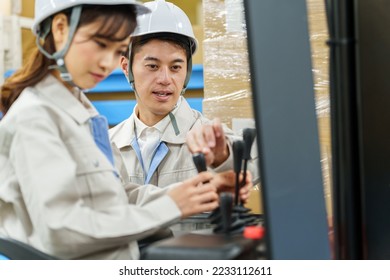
{"x": 97, "y": 179}
{"x": 90, "y": 159}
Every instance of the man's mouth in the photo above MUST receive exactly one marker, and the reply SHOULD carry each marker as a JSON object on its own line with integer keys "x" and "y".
{"x": 162, "y": 94}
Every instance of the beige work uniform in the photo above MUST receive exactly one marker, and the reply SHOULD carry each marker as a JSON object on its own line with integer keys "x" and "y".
{"x": 176, "y": 163}
{"x": 59, "y": 192}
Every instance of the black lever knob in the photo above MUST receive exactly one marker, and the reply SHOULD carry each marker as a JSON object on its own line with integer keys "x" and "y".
{"x": 238, "y": 152}
{"x": 199, "y": 161}
{"x": 226, "y": 206}
{"x": 248, "y": 136}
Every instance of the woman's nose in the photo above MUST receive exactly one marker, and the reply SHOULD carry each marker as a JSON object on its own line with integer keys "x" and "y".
{"x": 109, "y": 61}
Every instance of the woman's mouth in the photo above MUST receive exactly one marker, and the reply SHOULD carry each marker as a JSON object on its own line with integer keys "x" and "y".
{"x": 97, "y": 77}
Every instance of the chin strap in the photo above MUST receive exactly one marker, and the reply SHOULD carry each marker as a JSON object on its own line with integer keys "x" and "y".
{"x": 188, "y": 77}
{"x": 174, "y": 123}
{"x": 59, "y": 56}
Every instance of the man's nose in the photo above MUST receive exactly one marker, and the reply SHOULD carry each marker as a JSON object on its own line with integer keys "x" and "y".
{"x": 164, "y": 75}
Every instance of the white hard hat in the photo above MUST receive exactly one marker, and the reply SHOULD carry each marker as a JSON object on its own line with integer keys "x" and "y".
{"x": 47, "y": 8}
{"x": 165, "y": 18}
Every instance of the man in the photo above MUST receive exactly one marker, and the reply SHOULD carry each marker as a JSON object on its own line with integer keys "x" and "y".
{"x": 155, "y": 143}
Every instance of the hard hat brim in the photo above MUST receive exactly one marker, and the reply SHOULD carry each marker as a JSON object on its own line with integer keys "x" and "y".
{"x": 141, "y": 9}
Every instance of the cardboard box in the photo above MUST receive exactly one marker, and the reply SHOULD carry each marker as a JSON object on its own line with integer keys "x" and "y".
{"x": 255, "y": 202}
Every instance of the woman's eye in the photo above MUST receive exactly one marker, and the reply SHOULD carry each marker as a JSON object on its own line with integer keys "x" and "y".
{"x": 100, "y": 44}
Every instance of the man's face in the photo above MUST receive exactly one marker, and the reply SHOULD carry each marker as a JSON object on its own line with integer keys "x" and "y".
{"x": 159, "y": 70}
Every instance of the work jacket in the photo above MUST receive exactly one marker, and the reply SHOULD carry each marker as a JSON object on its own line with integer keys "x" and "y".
{"x": 59, "y": 192}
{"x": 172, "y": 161}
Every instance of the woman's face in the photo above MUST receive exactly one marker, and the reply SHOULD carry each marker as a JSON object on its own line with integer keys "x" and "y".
{"x": 91, "y": 59}
{"x": 159, "y": 69}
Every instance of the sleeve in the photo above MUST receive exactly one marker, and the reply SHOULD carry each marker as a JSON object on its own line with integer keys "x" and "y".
{"x": 141, "y": 195}
{"x": 73, "y": 212}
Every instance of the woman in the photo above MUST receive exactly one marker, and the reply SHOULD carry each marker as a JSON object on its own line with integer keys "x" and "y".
{"x": 59, "y": 191}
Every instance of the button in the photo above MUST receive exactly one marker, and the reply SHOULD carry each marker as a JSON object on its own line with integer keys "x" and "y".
{"x": 254, "y": 232}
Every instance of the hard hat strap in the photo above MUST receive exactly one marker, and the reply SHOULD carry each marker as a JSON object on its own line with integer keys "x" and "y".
{"x": 189, "y": 72}
{"x": 59, "y": 56}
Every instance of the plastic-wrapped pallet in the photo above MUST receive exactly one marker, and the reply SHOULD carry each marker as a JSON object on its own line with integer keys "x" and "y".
{"x": 227, "y": 93}
{"x": 320, "y": 59}
{"x": 227, "y": 89}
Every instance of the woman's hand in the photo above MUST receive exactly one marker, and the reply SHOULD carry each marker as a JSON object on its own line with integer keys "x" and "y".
{"x": 193, "y": 197}
{"x": 200, "y": 193}
{"x": 226, "y": 182}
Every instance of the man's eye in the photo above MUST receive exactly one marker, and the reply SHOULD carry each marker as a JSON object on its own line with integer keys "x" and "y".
{"x": 152, "y": 66}
{"x": 176, "y": 67}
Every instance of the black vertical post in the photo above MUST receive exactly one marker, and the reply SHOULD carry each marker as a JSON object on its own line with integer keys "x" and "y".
{"x": 373, "y": 67}
{"x": 286, "y": 123}
{"x": 344, "y": 129}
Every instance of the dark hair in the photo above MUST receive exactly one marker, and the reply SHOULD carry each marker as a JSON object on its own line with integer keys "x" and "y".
{"x": 36, "y": 67}
{"x": 178, "y": 40}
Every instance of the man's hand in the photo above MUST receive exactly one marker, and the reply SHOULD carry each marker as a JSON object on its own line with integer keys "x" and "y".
{"x": 210, "y": 140}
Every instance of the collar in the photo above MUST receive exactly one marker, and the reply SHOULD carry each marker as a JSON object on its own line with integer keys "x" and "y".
{"x": 160, "y": 126}
{"x": 124, "y": 133}
{"x": 75, "y": 104}
{"x": 139, "y": 125}
{"x": 185, "y": 118}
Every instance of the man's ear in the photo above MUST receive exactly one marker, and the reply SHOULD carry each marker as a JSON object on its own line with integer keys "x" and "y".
{"x": 60, "y": 30}
{"x": 124, "y": 65}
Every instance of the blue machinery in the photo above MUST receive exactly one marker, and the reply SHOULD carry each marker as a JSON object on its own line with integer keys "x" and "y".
{"x": 119, "y": 110}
